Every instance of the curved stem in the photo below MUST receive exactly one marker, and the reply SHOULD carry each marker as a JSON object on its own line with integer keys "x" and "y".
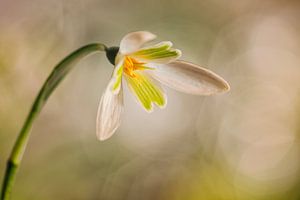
{"x": 57, "y": 75}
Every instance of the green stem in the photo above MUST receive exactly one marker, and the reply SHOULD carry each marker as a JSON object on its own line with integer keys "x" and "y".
{"x": 57, "y": 75}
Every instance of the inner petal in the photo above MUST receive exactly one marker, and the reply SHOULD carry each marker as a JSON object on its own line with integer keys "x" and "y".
{"x": 146, "y": 91}
{"x": 159, "y": 53}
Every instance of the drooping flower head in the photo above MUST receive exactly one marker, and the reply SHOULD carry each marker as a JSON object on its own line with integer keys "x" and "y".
{"x": 144, "y": 68}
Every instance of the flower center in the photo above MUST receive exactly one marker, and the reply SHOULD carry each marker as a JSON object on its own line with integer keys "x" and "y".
{"x": 131, "y": 65}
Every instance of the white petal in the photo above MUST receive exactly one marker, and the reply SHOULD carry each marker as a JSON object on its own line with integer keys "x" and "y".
{"x": 109, "y": 113}
{"x": 189, "y": 78}
{"x": 133, "y": 41}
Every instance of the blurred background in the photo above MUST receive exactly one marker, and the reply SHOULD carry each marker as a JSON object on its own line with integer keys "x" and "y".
{"x": 237, "y": 146}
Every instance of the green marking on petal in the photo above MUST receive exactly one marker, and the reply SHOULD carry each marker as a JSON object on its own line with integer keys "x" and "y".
{"x": 143, "y": 67}
{"x": 163, "y": 54}
{"x": 156, "y": 48}
{"x": 120, "y": 70}
{"x": 146, "y": 91}
{"x": 161, "y": 51}
{"x": 118, "y": 78}
{"x": 154, "y": 92}
{"x": 137, "y": 89}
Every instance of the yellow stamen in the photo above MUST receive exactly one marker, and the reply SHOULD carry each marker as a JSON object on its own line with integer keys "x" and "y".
{"x": 131, "y": 65}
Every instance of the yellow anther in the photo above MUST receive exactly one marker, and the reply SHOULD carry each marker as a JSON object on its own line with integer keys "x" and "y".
{"x": 131, "y": 64}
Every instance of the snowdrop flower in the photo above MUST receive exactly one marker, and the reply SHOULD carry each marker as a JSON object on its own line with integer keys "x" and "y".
{"x": 144, "y": 68}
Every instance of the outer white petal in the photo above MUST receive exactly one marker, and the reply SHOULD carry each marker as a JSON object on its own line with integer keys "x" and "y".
{"x": 189, "y": 78}
{"x": 133, "y": 41}
{"x": 109, "y": 113}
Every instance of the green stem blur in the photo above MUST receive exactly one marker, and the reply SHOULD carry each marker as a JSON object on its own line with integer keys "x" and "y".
{"x": 57, "y": 75}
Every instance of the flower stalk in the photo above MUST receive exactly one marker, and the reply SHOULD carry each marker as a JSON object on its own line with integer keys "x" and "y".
{"x": 57, "y": 75}
{"x": 143, "y": 68}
